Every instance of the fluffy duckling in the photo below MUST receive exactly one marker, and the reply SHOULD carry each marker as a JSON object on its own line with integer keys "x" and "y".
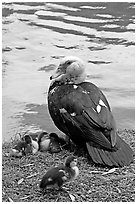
{"x": 24, "y": 146}
{"x": 57, "y": 176}
{"x": 18, "y": 150}
{"x": 43, "y": 141}
{"x": 32, "y": 145}
{"x": 50, "y": 142}
{"x": 55, "y": 145}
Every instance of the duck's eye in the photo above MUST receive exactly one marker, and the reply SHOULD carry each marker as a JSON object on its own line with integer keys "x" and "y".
{"x": 68, "y": 62}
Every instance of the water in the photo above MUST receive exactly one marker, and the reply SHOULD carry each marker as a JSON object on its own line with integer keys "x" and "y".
{"x": 37, "y": 35}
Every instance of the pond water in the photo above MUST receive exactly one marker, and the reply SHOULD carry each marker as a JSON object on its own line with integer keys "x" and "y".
{"x": 37, "y": 35}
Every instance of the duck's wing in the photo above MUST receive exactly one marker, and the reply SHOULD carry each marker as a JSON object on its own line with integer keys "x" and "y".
{"x": 85, "y": 107}
{"x": 102, "y": 115}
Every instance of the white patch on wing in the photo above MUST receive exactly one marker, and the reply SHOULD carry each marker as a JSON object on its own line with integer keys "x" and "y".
{"x": 49, "y": 179}
{"x": 62, "y": 110}
{"x": 73, "y": 114}
{"x": 98, "y": 108}
{"x": 53, "y": 90}
{"x": 75, "y": 86}
{"x": 102, "y": 103}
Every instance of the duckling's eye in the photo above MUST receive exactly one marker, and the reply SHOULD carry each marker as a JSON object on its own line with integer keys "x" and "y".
{"x": 68, "y": 62}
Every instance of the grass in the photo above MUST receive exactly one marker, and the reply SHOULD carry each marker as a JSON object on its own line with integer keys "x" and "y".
{"x": 21, "y": 177}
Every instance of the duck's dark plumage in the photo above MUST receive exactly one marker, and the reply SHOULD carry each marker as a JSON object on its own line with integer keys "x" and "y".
{"x": 83, "y": 113}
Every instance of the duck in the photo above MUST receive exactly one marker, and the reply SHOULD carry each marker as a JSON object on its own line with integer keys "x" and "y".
{"x": 51, "y": 142}
{"x": 57, "y": 176}
{"x": 57, "y": 143}
{"x": 31, "y": 144}
{"x": 24, "y": 146}
{"x": 79, "y": 109}
{"x": 27, "y": 144}
{"x": 43, "y": 141}
{"x": 18, "y": 150}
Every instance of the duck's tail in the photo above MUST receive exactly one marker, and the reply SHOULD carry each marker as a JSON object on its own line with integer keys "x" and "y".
{"x": 119, "y": 156}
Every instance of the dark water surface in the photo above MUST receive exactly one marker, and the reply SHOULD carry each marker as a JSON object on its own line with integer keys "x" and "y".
{"x": 37, "y": 35}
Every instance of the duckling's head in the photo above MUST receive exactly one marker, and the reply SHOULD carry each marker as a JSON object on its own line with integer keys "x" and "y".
{"x": 71, "y": 70}
{"x": 71, "y": 162}
{"x": 28, "y": 139}
{"x": 53, "y": 136}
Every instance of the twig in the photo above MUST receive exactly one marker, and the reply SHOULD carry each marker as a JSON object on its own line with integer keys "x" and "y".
{"x": 25, "y": 132}
{"x": 95, "y": 172}
{"x": 109, "y": 172}
{"x": 10, "y": 199}
{"x": 26, "y": 165}
{"x": 25, "y": 197}
{"x": 63, "y": 146}
{"x": 115, "y": 178}
{"x": 32, "y": 175}
{"x": 20, "y": 135}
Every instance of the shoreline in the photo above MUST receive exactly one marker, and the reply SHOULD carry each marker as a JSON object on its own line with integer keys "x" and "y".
{"x": 36, "y": 117}
{"x": 21, "y": 177}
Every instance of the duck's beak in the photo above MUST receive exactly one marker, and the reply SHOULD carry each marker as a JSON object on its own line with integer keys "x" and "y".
{"x": 57, "y": 76}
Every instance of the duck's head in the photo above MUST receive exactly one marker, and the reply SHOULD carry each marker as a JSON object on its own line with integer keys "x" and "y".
{"x": 71, "y": 70}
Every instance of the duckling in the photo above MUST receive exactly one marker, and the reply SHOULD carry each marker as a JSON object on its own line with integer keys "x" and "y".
{"x": 55, "y": 143}
{"x": 32, "y": 145}
{"x": 24, "y": 146}
{"x": 57, "y": 176}
{"x": 43, "y": 141}
{"x": 63, "y": 140}
{"x": 50, "y": 142}
{"x": 18, "y": 150}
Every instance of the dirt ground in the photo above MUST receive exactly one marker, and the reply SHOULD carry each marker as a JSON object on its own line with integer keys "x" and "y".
{"x": 21, "y": 177}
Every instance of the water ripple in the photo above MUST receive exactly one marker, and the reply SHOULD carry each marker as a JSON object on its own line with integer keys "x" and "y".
{"x": 36, "y": 35}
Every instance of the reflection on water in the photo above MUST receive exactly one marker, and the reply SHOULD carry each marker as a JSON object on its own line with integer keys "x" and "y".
{"x": 37, "y": 35}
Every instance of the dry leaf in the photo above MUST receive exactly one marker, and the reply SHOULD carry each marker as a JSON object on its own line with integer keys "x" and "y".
{"x": 119, "y": 191}
{"x": 20, "y": 181}
{"x": 110, "y": 171}
{"x": 10, "y": 200}
{"x": 95, "y": 172}
{"x": 32, "y": 175}
{"x": 7, "y": 154}
{"x": 26, "y": 165}
{"x": 72, "y": 197}
{"x": 25, "y": 197}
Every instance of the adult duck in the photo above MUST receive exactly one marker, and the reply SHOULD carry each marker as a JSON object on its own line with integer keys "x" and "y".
{"x": 80, "y": 110}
